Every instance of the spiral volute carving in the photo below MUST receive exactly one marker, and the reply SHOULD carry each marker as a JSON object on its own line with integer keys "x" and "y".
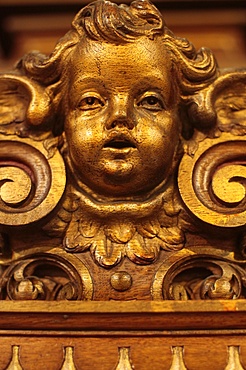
{"x": 212, "y": 182}
{"x": 31, "y": 183}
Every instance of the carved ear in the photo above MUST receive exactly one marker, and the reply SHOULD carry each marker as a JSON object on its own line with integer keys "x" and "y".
{"x": 22, "y": 100}
{"x": 227, "y": 92}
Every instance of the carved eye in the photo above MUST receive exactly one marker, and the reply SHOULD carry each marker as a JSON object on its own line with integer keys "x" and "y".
{"x": 91, "y": 103}
{"x": 151, "y": 102}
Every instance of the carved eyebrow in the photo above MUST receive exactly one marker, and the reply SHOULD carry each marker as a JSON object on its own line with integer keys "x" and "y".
{"x": 153, "y": 82}
{"x": 155, "y": 79}
{"x": 85, "y": 84}
{"x": 89, "y": 80}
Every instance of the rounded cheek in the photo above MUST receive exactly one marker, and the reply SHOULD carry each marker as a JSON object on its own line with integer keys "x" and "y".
{"x": 159, "y": 136}
{"x": 74, "y": 140}
{"x": 171, "y": 138}
{"x": 84, "y": 143}
{"x": 161, "y": 144}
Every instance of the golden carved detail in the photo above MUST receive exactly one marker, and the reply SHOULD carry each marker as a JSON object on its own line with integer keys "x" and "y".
{"x": 112, "y": 231}
{"x": 121, "y": 281}
{"x": 124, "y": 359}
{"x": 234, "y": 362}
{"x": 196, "y": 275}
{"x": 8, "y": 191}
{"x": 15, "y": 361}
{"x": 125, "y": 144}
{"x": 178, "y": 360}
{"x": 68, "y": 363}
{"x": 124, "y": 190}
{"x": 46, "y": 276}
{"x": 211, "y": 182}
{"x": 32, "y": 183}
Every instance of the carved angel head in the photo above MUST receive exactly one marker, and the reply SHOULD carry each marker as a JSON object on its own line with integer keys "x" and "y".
{"x": 123, "y": 92}
{"x": 115, "y": 84}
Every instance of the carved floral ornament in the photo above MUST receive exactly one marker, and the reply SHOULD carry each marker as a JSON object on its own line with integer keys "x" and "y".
{"x": 126, "y": 142}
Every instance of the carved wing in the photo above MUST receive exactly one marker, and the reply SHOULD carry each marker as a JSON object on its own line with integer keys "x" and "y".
{"x": 212, "y": 179}
{"x": 22, "y": 99}
{"x": 32, "y": 179}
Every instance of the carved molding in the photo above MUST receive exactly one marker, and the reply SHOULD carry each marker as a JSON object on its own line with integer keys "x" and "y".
{"x": 124, "y": 362}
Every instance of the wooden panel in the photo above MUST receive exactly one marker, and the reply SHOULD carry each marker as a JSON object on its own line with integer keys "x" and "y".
{"x": 102, "y": 353}
{"x": 118, "y": 316}
{"x": 155, "y": 334}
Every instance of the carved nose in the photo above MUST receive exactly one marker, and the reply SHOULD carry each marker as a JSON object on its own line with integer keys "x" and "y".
{"x": 122, "y": 122}
{"x": 120, "y": 116}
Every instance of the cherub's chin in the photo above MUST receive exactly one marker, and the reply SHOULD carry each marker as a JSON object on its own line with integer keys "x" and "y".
{"x": 118, "y": 168}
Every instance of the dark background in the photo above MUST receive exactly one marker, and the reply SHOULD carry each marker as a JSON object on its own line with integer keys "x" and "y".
{"x": 37, "y": 24}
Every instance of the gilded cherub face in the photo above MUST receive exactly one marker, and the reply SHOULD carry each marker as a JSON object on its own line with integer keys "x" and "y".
{"x": 121, "y": 122}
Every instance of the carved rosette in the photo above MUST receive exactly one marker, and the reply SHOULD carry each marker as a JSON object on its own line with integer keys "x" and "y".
{"x": 32, "y": 181}
{"x": 189, "y": 275}
{"x": 52, "y": 275}
{"x": 212, "y": 181}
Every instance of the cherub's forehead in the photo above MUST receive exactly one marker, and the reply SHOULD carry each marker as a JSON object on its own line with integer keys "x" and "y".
{"x": 140, "y": 45}
{"x": 140, "y": 57}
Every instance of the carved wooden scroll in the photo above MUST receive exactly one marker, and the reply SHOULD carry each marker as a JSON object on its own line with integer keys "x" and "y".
{"x": 122, "y": 167}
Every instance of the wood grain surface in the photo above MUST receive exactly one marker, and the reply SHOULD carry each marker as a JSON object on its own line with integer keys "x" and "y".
{"x": 156, "y": 334}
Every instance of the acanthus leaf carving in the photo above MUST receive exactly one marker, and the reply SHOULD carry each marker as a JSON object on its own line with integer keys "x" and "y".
{"x": 45, "y": 276}
{"x": 110, "y": 232}
{"x": 192, "y": 275}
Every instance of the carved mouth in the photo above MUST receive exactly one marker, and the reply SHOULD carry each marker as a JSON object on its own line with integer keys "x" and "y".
{"x": 119, "y": 142}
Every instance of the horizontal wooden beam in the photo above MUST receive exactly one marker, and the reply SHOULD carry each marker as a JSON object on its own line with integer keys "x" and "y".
{"x": 123, "y": 316}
